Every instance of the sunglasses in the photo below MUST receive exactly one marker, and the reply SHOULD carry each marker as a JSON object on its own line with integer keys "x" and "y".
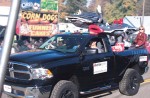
{"x": 141, "y": 29}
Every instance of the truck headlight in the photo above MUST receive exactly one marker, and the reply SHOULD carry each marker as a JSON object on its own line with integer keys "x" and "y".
{"x": 41, "y": 73}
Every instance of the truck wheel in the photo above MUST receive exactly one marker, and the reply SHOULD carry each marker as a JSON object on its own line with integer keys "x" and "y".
{"x": 65, "y": 89}
{"x": 130, "y": 83}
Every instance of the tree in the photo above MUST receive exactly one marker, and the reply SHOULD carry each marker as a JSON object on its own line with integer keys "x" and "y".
{"x": 62, "y": 10}
{"x": 118, "y": 9}
{"x": 111, "y": 9}
{"x": 67, "y": 7}
{"x": 92, "y": 6}
{"x": 147, "y": 8}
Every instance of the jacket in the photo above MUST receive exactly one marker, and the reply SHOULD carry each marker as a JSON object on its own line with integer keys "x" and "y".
{"x": 140, "y": 39}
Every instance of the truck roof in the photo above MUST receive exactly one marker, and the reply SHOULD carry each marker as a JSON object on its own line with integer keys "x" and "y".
{"x": 83, "y": 34}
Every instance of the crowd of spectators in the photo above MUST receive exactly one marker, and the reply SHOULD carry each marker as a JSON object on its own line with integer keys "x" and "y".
{"x": 23, "y": 45}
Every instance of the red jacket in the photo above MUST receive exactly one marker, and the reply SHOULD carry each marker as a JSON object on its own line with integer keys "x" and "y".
{"x": 141, "y": 39}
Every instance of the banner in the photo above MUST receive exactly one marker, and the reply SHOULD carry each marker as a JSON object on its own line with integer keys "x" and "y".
{"x": 118, "y": 47}
{"x": 40, "y": 5}
{"x": 30, "y": 5}
{"x": 37, "y": 30}
{"x": 37, "y": 24}
{"x": 38, "y": 18}
{"x": 49, "y": 6}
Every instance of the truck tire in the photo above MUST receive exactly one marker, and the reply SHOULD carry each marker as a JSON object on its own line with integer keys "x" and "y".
{"x": 65, "y": 89}
{"x": 130, "y": 83}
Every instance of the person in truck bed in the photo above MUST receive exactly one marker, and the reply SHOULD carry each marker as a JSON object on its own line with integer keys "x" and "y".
{"x": 141, "y": 38}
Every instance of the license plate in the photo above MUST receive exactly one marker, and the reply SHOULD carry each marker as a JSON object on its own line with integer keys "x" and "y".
{"x": 7, "y": 88}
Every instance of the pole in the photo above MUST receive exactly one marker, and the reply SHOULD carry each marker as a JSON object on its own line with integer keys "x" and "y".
{"x": 143, "y": 13}
{"x": 8, "y": 40}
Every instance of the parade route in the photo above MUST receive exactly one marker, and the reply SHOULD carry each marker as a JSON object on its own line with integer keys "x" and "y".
{"x": 143, "y": 91}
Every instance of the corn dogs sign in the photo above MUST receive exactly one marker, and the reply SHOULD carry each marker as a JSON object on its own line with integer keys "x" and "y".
{"x": 38, "y": 18}
{"x": 39, "y": 21}
{"x": 37, "y": 24}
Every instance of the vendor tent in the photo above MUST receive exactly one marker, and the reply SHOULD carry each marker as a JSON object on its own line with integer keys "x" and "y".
{"x": 4, "y": 14}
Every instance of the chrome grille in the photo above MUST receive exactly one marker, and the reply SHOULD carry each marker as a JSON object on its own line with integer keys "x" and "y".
{"x": 21, "y": 68}
{"x": 18, "y": 71}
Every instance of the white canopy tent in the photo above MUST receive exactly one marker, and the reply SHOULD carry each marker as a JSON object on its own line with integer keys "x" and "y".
{"x": 4, "y": 14}
{"x": 70, "y": 27}
{"x": 136, "y": 21}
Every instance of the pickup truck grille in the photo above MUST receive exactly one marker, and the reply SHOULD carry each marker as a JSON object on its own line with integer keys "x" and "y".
{"x": 18, "y": 71}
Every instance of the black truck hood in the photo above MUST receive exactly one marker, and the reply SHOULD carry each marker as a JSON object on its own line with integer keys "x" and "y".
{"x": 39, "y": 56}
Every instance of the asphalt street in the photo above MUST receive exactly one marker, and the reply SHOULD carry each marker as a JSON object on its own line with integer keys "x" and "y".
{"x": 143, "y": 91}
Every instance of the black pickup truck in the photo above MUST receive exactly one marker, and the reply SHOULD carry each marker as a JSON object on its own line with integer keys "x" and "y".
{"x": 66, "y": 66}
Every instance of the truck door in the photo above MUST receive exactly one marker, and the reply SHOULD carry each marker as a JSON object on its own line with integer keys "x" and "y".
{"x": 100, "y": 65}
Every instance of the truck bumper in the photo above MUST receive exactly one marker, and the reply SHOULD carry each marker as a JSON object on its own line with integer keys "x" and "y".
{"x": 27, "y": 92}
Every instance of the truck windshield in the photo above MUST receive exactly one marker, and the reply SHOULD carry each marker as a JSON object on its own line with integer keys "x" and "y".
{"x": 63, "y": 43}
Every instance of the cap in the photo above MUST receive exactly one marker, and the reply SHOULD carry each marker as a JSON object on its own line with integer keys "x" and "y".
{"x": 95, "y": 29}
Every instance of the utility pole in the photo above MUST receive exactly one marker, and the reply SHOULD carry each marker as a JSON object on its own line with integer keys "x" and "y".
{"x": 143, "y": 13}
{"x": 8, "y": 38}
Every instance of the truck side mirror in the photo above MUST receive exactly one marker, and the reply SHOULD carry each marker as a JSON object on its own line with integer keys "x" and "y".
{"x": 91, "y": 51}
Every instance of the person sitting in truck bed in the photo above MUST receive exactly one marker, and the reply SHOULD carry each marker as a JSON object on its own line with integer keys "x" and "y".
{"x": 141, "y": 38}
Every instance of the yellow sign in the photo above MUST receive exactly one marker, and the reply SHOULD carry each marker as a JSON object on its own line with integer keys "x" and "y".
{"x": 28, "y": 15}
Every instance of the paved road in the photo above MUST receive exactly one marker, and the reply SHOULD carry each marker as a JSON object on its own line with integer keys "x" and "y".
{"x": 144, "y": 91}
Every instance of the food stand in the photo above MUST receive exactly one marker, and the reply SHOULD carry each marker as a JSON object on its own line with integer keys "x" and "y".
{"x": 38, "y": 18}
